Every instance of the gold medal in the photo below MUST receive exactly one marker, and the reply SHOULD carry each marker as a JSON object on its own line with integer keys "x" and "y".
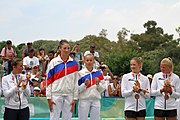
{"x": 136, "y": 96}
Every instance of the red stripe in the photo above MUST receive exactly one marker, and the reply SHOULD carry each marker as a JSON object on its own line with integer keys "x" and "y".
{"x": 94, "y": 81}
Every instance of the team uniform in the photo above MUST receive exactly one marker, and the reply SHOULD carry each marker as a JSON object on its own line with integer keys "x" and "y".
{"x": 165, "y": 107}
{"x": 16, "y": 105}
{"x": 135, "y": 105}
{"x": 62, "y": 86}
{"x": 89, "y": 96}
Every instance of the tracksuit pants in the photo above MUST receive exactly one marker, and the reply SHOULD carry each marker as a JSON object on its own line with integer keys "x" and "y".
{"x": 89, "y": 106}
{"x": 62, "y": 104}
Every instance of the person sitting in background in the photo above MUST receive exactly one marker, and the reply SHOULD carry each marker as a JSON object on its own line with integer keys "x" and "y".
{"x": 46, "y": 63}
{"x": 36, "y": 92}
{"x": 57, "y": 52}
{"x": 9, "y": 68}
{"x": 26, "y": 50}
{"x": 107, "y": 78}
{"x": 42, "y": 58}
{"x": 43, "y": 85}
{"x": 72, "y": 55}
{"x": 30, "y": 61}
{"x": 35, "y": 72}
{"x": 114, "y": 89}
{"x": 78, "y": 56}
{"x": 120, "y": 78}
{"x": 7, "y": 54}
{"x": 35, "y": 83}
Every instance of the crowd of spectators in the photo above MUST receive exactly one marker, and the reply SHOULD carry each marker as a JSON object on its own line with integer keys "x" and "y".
{"x": 35, "y": 62}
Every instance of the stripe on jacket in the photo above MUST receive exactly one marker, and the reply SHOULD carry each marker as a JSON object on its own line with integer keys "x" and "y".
{"x": 59, "y": 71}
{"x": 94, "y": 75}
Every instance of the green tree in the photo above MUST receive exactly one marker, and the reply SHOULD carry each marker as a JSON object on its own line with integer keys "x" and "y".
{"x": 103, "y": 33}
{"x": 153, "y": 38}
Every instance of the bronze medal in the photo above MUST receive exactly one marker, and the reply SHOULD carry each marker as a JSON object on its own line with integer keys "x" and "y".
{"x": 166, "y": 97}
{"x": 136, "y": 96}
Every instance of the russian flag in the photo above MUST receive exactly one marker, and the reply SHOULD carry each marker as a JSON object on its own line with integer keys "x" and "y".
{"x": 88, "y": 76}
{"x": 59, "y": 71}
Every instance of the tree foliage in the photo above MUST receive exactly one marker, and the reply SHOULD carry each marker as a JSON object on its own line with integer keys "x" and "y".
{"x": 152, "y": 46}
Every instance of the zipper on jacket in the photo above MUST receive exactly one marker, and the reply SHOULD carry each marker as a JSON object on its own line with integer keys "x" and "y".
{"x": 91, "y": 78}
{"x": 18, "y": 92}
{"x": 136, "y": 104}
{"x": 164, "y": 103}
{"x": 65, "y": 72}
{"x": 19, "y": 100}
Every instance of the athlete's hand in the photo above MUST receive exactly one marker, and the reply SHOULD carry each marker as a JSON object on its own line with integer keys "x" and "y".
{"x": 73, "y": 103}
{"x": 97, "y": 80}
{"x": 136, "y": 89}
{"x": 19, "y": 82}
{"x": 87, "y": 82}
{"x": 50, "y": 103}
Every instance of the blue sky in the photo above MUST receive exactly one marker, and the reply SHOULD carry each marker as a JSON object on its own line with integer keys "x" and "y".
{"x": 29, "y": 20}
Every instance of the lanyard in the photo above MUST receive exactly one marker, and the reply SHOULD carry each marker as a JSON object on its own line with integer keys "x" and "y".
{"x": 136, "y": 76}
{"x": 165, "y": 76}
{"x": 15, "y": 77}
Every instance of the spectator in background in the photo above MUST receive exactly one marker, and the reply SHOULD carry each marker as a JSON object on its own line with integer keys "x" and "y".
{"x": 57, "y": 52}
{"x": 16, "y": 91}
{"x": 43, "y": 85}
{"x": 42, "y": 58}
{"x": 107, "y": 78}
{"x": 149, "y": 76}
{"x": 120, "y": 78}
{"x": 35, "y": 83}
{"x": 8, "y": 53}
{"x": 78, "y": 55}
{"x": 35, "y": 72}
{"x": 95, "y": 54}
{"x": 30, "y": 61}
{"x": 9, "y": 68}
{"x": 26, "y": 50}
{"x": 114, "y": 89}
{"x": 72, "y": 55}
{"x": 37, "y": 92}
{"x": 46, "y": 63}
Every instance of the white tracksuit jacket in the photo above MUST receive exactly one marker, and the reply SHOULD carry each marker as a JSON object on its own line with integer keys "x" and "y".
{"x": 157, "y": 84}
{"x": 12, "y": 100}
{"x": 62, "y": 78}
{"x": 127, "y": 84}
{"x": 93, "y": 91}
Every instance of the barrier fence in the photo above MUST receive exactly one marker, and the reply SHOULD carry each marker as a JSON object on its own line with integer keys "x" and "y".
{"x": 111, "y": 109}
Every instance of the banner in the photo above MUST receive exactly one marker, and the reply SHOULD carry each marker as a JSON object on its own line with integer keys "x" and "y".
{"x": 111, "y": 108}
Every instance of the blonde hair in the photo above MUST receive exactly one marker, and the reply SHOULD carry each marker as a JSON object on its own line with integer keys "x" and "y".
{"x": 89, "y": 55}
{"x": 168, "y": 61}
{"x": 139, "y": 61}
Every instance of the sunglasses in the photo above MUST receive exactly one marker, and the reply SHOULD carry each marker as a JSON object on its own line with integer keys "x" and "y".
{"x": 115, "y": 78}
